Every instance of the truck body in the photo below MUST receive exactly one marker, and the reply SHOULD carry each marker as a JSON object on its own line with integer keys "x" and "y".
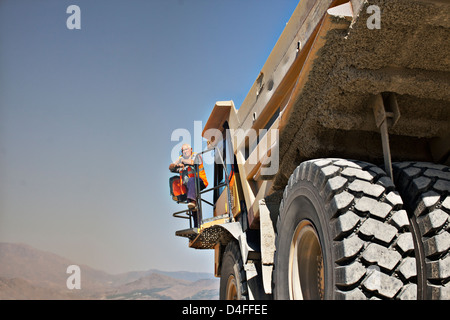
{"x": 332, "y": 179}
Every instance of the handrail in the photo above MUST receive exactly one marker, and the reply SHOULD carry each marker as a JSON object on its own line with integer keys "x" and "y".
{"x": 179, "y": 215}
{"x": 214, "y": 188}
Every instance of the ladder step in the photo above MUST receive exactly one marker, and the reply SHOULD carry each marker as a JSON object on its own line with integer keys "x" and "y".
{"x": 187, "y": 233}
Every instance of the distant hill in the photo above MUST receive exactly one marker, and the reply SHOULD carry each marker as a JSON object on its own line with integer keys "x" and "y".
{"x": 29, "y": 273}
{"x": 20, "y": 289}
{"x": 161, "y": 287}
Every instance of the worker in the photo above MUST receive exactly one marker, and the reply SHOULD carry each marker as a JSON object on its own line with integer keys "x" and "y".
{"x": 185, "y": 165}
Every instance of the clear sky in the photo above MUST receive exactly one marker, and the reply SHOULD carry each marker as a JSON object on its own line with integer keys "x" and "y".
{"x": 86, "y": 118}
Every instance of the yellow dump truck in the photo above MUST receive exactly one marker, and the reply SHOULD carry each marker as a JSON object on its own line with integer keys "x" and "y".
{"x": 332, "y": 179}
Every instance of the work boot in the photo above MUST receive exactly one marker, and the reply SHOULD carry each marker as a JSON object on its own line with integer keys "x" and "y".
{"x": 192, "y": 205}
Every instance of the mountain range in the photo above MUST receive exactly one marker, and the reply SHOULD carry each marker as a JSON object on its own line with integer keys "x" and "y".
{"x": 29, "y": 273}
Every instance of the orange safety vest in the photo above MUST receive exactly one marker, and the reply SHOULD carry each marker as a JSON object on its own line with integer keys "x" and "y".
{"x": 201, "y": 170}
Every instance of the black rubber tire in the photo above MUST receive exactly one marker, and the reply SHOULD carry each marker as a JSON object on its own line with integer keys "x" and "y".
{"x": 233, "y": 270}
{"x": 425, "y": 190}
{"x": 366, "y": 245}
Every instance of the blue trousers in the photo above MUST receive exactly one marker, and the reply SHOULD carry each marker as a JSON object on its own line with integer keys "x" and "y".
{"x": 196, "y": 215}
{"x": 191, "y": 188}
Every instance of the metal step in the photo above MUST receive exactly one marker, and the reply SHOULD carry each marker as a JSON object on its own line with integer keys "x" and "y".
{"x": 187, "y": 233}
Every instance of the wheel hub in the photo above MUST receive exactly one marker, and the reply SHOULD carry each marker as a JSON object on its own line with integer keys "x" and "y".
{"x": 231, "y": 288}
{"x": 306, "y": 267}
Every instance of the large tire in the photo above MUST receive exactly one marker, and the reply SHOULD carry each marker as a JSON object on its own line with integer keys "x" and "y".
{"x": 233, "y": 282}
{"x": 342, "y": 234}
{"x": 425, "y": 190}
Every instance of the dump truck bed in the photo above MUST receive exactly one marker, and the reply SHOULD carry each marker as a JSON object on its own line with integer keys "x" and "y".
{"x": 327, "y": 65}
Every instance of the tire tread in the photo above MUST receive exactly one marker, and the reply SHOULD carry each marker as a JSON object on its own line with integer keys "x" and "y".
{"x": 365, "y": 213}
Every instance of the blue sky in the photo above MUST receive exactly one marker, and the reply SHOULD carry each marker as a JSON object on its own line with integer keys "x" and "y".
{"x": 86, "y": 118}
